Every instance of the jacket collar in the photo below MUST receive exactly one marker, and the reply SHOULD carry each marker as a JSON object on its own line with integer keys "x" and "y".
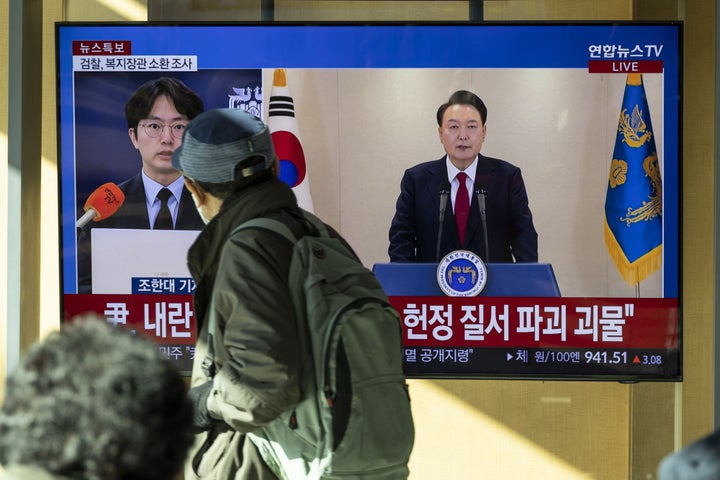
{"x": 254, "y": 201}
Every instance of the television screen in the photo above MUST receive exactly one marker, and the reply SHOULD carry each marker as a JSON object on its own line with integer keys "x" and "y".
{"x": 589, "y": 112}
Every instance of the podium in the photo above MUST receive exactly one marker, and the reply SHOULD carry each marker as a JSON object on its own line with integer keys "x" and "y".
{"x": 503, "y": 279}
{"x": 440, "y": 341}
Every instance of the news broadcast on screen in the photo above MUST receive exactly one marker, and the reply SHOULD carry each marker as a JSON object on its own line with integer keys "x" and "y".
{"x": 589, "y": 112}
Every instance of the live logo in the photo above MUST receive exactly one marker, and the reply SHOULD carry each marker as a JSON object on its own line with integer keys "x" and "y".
{"x": 625, "y": 66}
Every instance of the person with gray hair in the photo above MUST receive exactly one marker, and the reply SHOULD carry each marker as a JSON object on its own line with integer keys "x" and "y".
{"x": 699, "y": 460}
{"x": 93, "y": 402}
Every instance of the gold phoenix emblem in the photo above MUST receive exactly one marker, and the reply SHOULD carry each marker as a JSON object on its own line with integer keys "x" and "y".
{"x": 633, "y": 127}
{"x": 652, "y": 208}
{"x": 463, "y": 272}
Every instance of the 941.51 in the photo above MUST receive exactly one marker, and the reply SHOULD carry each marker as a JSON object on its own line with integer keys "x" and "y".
{"x": 606, "y": 357}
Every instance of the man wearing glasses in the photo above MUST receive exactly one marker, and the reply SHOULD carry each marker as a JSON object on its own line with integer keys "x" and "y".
{"x": 155, "y": 198}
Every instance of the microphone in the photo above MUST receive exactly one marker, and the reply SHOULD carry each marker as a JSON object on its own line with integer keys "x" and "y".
{"x": 101, "y": 203}
{"x": 480, "y": 194}
{"x": 444, "y": 195}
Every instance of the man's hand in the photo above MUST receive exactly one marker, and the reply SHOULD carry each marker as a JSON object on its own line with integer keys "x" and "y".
{"x": 198, "y": 396}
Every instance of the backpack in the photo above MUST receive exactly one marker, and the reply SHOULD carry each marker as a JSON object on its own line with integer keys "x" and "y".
{"x": 354, "y": 419}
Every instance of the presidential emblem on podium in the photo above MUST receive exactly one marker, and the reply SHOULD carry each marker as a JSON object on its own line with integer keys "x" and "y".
{"x": 461, "y": 273}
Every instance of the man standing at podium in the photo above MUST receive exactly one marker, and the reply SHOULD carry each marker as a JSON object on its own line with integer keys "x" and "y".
{"x": 463, "y": 201}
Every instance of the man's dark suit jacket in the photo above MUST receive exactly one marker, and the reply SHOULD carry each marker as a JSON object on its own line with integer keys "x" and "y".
{"x": 510, "y": 230}
{"x": 132, "y": 214}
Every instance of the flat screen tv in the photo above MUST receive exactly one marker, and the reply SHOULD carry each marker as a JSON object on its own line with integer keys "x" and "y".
{"x": 590, "y": 113}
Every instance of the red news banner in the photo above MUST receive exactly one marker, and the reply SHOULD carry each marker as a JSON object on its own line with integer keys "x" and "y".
{"x": 626, "y": 323}
{"x": 534, "y": 322}
{"x": 168, "y": 319}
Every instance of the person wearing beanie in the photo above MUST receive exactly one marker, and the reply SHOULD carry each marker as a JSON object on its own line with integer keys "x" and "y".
{"x": 252, "y": 355}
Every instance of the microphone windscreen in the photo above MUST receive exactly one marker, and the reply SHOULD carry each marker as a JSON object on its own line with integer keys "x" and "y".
{"x": 105, "y": 200}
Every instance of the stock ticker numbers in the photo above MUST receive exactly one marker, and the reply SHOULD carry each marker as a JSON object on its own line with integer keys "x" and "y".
{"x": 599, "y": 357}
{"x": 531, "y": 362}
{"x": 605, "y": 357}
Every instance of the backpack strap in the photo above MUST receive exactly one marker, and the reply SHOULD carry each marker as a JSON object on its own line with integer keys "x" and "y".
{"x": 317, "y": 223}
{"x": 268, "y": 224}
{"x": 282, "y": 228}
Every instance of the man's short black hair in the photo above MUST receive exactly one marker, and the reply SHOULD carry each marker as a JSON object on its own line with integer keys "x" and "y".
{"x": 186, "y": 101}
{"x": 463, "y": 97}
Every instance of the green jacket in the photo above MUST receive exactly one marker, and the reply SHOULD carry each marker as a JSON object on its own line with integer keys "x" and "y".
{"x": 243, "y": 282}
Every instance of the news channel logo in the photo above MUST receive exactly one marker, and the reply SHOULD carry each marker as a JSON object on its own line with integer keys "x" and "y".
{"x": 461, "y": 273}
